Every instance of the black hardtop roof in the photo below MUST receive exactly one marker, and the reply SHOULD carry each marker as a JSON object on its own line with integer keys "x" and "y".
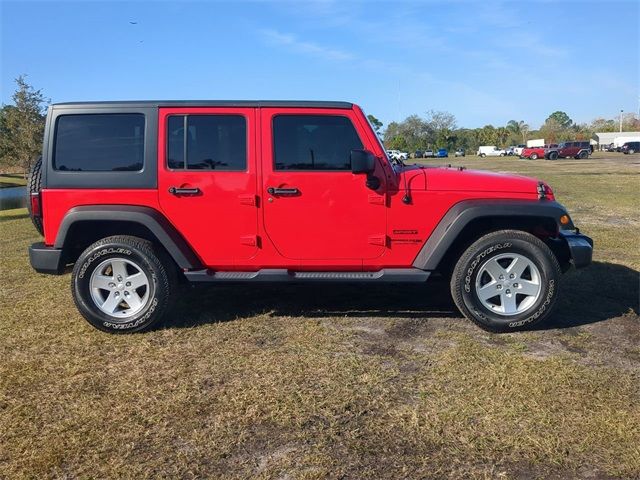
{"x": 206, "y": 103}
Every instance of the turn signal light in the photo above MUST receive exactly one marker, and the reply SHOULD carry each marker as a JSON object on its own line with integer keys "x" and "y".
{"x": 564, "y": 219}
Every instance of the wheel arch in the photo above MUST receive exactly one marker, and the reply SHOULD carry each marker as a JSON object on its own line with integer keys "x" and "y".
{"x": 84, "y": 225}
{"x": 467, "y": 221}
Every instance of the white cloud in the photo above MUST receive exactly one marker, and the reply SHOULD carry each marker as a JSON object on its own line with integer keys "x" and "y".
{"x": 309, "y": 48}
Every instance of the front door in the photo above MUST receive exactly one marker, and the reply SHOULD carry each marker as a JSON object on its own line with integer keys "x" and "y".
{"x": 208, "y": 179}
{"x": 315, "y": 208}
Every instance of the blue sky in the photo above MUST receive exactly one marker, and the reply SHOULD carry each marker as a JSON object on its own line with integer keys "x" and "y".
{"x": 485, "y": 62}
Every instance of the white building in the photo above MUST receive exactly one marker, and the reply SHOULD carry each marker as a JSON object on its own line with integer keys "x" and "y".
{"x": 607, "y": 138}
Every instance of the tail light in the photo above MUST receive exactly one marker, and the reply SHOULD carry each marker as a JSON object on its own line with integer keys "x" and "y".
{"x": 36, "y": 208}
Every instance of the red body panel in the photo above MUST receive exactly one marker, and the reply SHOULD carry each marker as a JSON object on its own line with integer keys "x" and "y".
{"x": 335, "y": 223}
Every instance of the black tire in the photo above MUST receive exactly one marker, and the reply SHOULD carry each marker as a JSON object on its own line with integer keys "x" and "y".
{"x": 553, "y": 155}
{"x": 154, "y": 263}
{"x": 631, "y": 151}
{"x": 465, "y": 275}
{"x": 34, "y": 185}
{"x": 483, "y": 155}
{"x": 582, "y": 155}
{"x": 533, "y": 156}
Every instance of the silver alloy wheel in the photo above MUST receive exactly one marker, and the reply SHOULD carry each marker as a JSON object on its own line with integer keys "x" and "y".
{"x": 119, "y": 288}
{"x": 508, "y": 284}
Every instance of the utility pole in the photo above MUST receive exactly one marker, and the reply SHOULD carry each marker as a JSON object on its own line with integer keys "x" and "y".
{"x": 621, "y": 120}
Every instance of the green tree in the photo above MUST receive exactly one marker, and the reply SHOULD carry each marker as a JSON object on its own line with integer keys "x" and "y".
{"x": 560, "y": 118}
{"x": 518, "y": 129}
{"x": 375, "y": 123}
{"x": 22, "y": 127}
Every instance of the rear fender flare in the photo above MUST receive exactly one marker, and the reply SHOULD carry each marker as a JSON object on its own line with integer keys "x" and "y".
{"x": 152, "y": 219}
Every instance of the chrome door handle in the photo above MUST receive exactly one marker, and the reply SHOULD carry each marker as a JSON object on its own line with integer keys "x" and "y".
{"x": 283, "y": 191}
{"x": 184, "y": 191}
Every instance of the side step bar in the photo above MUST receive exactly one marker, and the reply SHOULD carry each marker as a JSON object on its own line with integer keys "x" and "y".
{"x": 402, "y": 275}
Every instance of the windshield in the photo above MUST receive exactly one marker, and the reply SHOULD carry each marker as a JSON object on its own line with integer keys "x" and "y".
{"x": 375, "y": 134}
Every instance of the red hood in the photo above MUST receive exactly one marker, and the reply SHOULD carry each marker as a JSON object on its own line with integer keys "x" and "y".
{"x": 455, "y": 179}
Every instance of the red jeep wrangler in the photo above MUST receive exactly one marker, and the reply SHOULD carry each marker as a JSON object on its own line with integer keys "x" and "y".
{"x": 141, "y": 195}
{"x": 579, "y": 150}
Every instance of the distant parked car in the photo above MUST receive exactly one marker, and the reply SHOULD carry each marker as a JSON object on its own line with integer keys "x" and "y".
{"x": 459, "y": 152}
{"x": 574, "y": 149}
{"x": 428, "y": 154}
{"x": 631, "y": 148}
{"x": 490, "y": 151}
{"x": 518, "y": 149}
{"x": 550, "y": 152}
{"x": 418, "y": 154}
{"x": 511, "y": 151}
{"x": 442, "y": 153}
{"x": 397, "y": 155}
{"x": 611, "y": 148}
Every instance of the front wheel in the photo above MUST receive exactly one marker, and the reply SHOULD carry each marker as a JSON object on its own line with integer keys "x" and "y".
{"x": 506, "y": 280}
{"x": 483, "y": 155}
{"x": 553, "y": 156}
{"x": 123, "y": 284}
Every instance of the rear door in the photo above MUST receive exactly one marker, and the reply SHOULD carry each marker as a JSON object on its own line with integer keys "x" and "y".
{"x": 316, "y": 209}
{"x": 207, "y": 180}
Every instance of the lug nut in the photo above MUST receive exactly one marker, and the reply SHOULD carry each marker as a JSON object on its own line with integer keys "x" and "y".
{"x": 112, "y": 285}
{"x": 508, "y": 292}
{"x": 119, "y": 278}
{"x": 512, "y": 276}
{"x": 126, "y": 293}
{"x": 499, "y": 287}
{"x": 501, "y": 277}
{"x": 128, "y": 284}
{"x": 117, "y": 294}
{"x": 515, "y": 285}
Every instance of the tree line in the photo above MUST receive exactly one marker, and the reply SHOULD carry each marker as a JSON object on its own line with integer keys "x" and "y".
{"x": 22, "y": 130}
{"x": 439, "y": 129}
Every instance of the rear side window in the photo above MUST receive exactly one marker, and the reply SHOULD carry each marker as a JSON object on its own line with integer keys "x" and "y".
{"x": 313, "y": 142}
{"x": 207, "y": 142}
{"x": 99, "y": 143}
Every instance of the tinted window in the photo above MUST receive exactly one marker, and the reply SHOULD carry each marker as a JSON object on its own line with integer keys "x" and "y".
{"x": 213, "y": 142}
{"x": 99, "y": 143}
{"x": 313, "y": 142}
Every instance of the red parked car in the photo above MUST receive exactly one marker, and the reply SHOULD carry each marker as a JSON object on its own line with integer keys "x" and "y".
{"x": 547, "y": 151}
{"x": 138, "y": 196}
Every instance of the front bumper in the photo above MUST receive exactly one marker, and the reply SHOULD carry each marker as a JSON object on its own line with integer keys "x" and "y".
{"x": 580, "y": 247}
{"x": 46, "y": 259}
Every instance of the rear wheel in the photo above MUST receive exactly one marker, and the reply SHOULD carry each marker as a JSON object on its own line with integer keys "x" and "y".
{"x": 553, "y": 155}
{"x": 533, "y": 156}
{"x": 483, "y": 155}
{"x": 582, "y": 155}
{"x": 506, "y": 280}
{"x": 631, "y": 151}
{"x": 123, "y": 284}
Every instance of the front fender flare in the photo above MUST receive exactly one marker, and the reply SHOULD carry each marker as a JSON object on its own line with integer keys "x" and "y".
{"x": 459, "y": 216}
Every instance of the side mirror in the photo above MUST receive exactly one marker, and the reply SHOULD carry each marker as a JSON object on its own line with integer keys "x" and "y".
{"x": 362, "y": 161}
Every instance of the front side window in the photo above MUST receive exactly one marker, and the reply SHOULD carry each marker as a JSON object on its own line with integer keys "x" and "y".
{"x": 207, "y": 142}
{"x": 314, "y": 142}
{"x": 99, "y": 143}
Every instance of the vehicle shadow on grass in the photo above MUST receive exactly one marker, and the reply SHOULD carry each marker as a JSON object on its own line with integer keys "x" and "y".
{"x": 594, "y": 294}
{"x": 220, "y": 303}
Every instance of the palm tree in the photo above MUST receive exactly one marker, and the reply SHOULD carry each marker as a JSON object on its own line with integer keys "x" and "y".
{"x": 518, "y": 128}
{"x": 502, "y": 135}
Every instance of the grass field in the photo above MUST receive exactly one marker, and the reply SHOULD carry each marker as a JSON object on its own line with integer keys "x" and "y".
{"x": 12, "y": 180}
{"x": 342, "y": 382}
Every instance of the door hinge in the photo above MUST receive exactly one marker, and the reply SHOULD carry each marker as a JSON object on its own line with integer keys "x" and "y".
{"x": 248, "y": 200}
{"x": 250, "y": 240}
{"x": 378, "y": 240}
